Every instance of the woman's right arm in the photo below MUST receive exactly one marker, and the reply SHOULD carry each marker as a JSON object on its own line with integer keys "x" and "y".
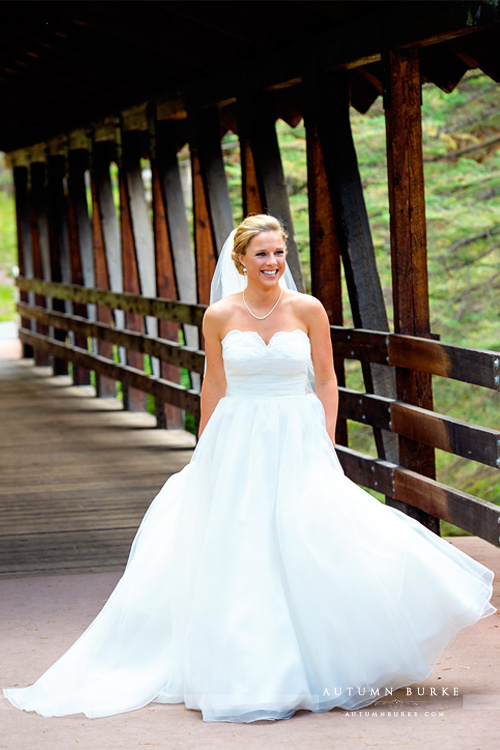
{"x": 214, "y": 380}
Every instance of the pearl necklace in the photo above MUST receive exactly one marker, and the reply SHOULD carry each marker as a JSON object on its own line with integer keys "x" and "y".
{"x": 258, "y": 317}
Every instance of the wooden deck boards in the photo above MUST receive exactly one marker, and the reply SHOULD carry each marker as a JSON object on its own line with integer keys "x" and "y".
{"x": 76, "y": 473}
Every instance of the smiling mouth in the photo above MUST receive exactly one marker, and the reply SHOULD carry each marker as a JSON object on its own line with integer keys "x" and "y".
{"x": 270, "y": 273}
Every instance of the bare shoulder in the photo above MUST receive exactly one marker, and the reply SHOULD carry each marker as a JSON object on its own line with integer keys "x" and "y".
{"x": 216, "y": 314}
{"x": 306, "y": 306}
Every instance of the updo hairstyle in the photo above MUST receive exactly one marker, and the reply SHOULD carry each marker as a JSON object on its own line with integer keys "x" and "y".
{"x": 251, "y": 226}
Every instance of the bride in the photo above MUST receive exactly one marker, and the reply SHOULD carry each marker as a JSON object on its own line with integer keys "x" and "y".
{"x": 262, "y": 580}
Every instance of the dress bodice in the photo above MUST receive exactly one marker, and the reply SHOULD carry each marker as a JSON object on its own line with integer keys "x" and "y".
{"x": 254, "y": 368}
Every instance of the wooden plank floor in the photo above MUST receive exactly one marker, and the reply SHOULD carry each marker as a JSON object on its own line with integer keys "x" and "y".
{"x": 77, "y": 473}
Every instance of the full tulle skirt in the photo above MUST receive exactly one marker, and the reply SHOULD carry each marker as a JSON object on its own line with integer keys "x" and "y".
{"x": 262, "y": 581}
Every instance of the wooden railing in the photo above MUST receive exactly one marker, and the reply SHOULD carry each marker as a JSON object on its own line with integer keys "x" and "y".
{"x": 477, "y": 367}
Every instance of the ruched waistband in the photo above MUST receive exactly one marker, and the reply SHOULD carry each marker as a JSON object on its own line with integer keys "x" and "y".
{"x": 261, "y": 386}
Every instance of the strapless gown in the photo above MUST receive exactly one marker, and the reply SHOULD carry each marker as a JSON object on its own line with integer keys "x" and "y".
{"x": 262, "y": 580}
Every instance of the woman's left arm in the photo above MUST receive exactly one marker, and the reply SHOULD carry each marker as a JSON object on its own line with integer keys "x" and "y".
{"x": 322, "y": 358}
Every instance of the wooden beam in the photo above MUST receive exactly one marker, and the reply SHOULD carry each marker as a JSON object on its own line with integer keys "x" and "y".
{"x": 465, "y": 511}
{"x": 256, "y": 124}
{"x": 476, "y": 366}
{"x": 166, "y": 286}
{"x": 206, "y": 252}
{"x": 168, "y": 351}
{"x": 39, "y": 241}
{"x": 58, "y": 242}
{"x": 437, "y": 430}
{"x": 129, "y": 166}
{"x": 80, "y": 242}
{"x": 325, "y": 253}
{"x": 408, "y": 243}
{"x": 24, "y": 257}
{"x": 177, "y": 223}
{"x": 104, "y": 226}
{"x": 352, "y": 228}
{"x": 214, "y": 175}
{"x": 252, "y": 202}
{"x": 164, "y": 309}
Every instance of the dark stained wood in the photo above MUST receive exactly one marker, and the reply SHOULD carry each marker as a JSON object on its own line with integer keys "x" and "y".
{"x": 324, "y": 245}
{"x": 158, "y": 308}
{"x": 78, "y": 234}
{"x": 166, "y": 286}
{"x": 476, "y": 366}
{"x": 166, "y": 137}
{"x": 58, "y": 241}
{"x": 103, "y": 219}
{"x": 439, "y": 65}
{"x": 408, "y": 242}
{"x": 213, "y": 173}
{"x": 352, "y": 228}
{"x": 203, "y": 239}
{"x": 256, "y": 122}
{"x": 167, "y": 351}
{"x": 479, "y": 51}
{"x": 465, "y": 511}
{"x": 130, "y": 163}
{"x": 252, "y": 202}
{"x": 38, "y": 228}
{"x": 452, "y": 435}
{"x": 25, "y": 263}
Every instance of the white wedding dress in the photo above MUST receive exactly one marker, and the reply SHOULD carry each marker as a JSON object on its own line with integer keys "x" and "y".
{"x": 262, "y": 580}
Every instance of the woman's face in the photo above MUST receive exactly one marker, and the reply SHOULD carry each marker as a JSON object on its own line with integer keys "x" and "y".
{"x": 265, "y": 257}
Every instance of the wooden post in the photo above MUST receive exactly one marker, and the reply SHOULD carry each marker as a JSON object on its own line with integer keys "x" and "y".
{"x": 214, "y": 175}
{"x": 408, "y": 243}
{"x": 129, "y": 165}
{"x": 353, "y": 232}
{"x": 80, "y": 241}
{"x": 252, "y": 202}
{"x": 38, "y": 237}
{"x": 178, "y": 227}
{"x": 262, "y": 160}
{"x": 25, "y": 261}
{"x": 324, "y": 243}
{"x": 104, "y": 233}
{"x": 58, "y": 243}
{"x": 206, "y": 249}
{"x": 167, "y": 415}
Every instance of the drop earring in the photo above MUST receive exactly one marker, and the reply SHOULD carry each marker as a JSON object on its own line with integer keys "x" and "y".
{"x": 244, "y": 270}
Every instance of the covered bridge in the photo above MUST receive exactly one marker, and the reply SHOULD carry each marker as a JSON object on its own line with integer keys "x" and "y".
{"x": 108, "y": 280}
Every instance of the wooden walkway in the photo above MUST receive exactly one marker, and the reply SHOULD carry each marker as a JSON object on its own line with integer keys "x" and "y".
{"x": 77, "y": 473}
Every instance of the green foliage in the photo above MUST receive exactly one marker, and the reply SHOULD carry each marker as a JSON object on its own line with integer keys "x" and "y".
{"x": 7, "y": 302}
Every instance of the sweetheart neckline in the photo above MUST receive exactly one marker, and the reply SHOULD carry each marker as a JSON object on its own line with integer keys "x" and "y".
{"x": 268, "y": 343}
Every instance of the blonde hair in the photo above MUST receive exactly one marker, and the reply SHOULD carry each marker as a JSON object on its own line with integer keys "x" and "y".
{"x": 251, "y": 226}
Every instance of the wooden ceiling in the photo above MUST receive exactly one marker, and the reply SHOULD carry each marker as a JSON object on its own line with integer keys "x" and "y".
{"x": 65, "y": 65}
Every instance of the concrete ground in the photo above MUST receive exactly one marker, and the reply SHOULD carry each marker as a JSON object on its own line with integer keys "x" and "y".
{"x": 40, "y": 618}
